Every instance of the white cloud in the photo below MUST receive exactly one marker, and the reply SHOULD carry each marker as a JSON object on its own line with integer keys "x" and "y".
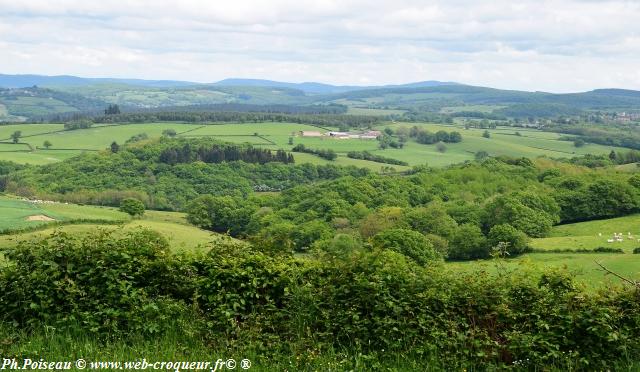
{"x": 553, "y": 45}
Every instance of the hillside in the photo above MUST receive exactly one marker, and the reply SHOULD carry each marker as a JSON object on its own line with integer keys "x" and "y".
{"x": 64, "y": 94}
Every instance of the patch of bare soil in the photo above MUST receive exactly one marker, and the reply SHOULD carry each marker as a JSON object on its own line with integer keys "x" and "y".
{"x": 40, "y": 217}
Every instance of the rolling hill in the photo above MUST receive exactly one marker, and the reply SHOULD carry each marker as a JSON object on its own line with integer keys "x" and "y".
{"x": 51, "y": 95}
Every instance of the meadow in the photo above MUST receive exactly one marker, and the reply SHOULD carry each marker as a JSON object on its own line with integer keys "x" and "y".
{"x": 503, "y": 141}
{"x": 14, "y": 214}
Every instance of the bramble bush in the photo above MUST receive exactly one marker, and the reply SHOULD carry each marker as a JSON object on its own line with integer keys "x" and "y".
{"x": 369, "y": 302}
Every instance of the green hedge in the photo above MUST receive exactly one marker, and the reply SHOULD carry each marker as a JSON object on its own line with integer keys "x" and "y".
{"x": 373, "y": 302}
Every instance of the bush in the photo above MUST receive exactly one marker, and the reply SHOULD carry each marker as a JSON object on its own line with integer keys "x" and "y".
{"x": 468, "y": 243}
{"x": 636, "y": 250}
{"x": 103, "y": 283}
{"x": 505, "y": 233}
{"x": 409, "y": 243}
{"x": 369, "y": 303}
{"x": 133, "y": 207}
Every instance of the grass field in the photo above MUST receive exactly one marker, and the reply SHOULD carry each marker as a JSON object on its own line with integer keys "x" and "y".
{"x": 583, "y": 235}
{"x": 503, "y": 141}
{"x": 14, "y": 213}
{"x": 172, "y": 225}
{"x": 583, "y": 265}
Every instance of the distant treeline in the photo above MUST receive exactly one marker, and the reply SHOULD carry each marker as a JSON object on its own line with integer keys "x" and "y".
{"x": 221, "y": 153}
{"x": 426, "y": 137}
{"x": 243, "y": 117}
{"x": 366, "y": 155}
{"x": 609, "y": 137}
{"x": 244, "y": 107}
{"x": 328, "y": 154}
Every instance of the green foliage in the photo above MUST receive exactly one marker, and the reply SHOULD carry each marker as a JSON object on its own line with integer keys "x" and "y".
{"x": 534, "y": 214}
{"x": 46, "y": 144}
{"x": 468, "y": 243}
{"x": 366, "y": 155}
{"x": 104, "y": 284}
{"x": 370, "y": 303}
{"x": 505, "y": 233}
{"x": 169, "y": 133}
{"x": 409, "y": 243}
{"x": 328, "y": 154}
{"x": 221, "y": 213}
{"x": 15, "y": 136}
{"x": 132, "y": 207}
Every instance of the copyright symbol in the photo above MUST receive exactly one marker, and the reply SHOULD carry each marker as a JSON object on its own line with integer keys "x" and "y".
{"x": 231, "y": 364}
{"x": 81, "y": 364}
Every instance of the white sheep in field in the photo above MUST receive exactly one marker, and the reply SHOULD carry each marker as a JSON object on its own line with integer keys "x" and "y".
{"x": 611, "y": 240}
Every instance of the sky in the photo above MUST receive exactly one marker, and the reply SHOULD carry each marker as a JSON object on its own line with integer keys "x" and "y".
{"x": 546, "y": 45}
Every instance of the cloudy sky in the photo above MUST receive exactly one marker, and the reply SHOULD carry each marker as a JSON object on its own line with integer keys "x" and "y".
{"x": 550, "y": 45}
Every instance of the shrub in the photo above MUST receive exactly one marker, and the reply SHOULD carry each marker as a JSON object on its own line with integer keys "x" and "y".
{"x": 506, "y": 233}
{"x": 636, "y": 250}
{"x": 409, "y": 243}
{"x": 133, "y": 207}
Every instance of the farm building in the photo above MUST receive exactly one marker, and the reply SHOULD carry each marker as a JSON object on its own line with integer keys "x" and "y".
{"x": 341, "y": 135}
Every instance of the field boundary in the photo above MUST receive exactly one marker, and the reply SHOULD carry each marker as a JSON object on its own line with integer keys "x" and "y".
{"x": 54, "y": 224}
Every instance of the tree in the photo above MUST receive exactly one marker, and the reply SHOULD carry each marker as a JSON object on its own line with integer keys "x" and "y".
{"x": 112, "y": 110}
{"x": 388, "y": 131}
{"x": 290, "y": 140}
{"x": 409, "y": 243}
{"x": 468, "y": 243}
{"x": 486, "y": 134}
{"x": 578, "y": 142}
{"x": 455, "y": 137}
{"x": 132, "y": 207}
{"x": 505, "y": 233}
{"x": 441, "y": 147}
{"x": 15, "y": 136}
{"x": 380, "y": 220}
{"x": 115, "y": 147}
{"x": 481, "y": 155}
{"x": 47, "y": 144}
{"x": 169, "y": 133}
{"x": 432, "y": 219}
{"x": 221, "y": 213}
{"x": 613, "y": 156}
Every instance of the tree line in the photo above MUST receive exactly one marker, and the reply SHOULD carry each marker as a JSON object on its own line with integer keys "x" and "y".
{"x": 327, "y": 154}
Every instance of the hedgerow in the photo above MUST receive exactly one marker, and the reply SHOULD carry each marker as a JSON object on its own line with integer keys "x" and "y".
{"x": 371, "y": 302}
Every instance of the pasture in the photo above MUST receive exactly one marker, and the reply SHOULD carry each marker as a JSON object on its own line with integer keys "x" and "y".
{"x": 578, "y": 236}
{"x": 15, "y": 213}
{"x": 583, "y": 265}
{"x": 503, "y": 141}
{"x": 172, "y": 225}
{"x": 586, "y": 235}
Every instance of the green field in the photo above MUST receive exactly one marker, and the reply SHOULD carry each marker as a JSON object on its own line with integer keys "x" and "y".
{"x": 172, "y": 225}
{"x": 530, "y": 143}
{"x": 14, "y": 213}
{"x": 583, "y": 265}
{"x": 586, "y": 235}
{"x": 583, "y": 235}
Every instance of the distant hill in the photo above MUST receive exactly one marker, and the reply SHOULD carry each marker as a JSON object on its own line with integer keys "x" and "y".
{"x": 23, "y": 81}
{"x": 320, "y": 88}
{"x": 63, "y": 81}
{"x": 20, "y": 99}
